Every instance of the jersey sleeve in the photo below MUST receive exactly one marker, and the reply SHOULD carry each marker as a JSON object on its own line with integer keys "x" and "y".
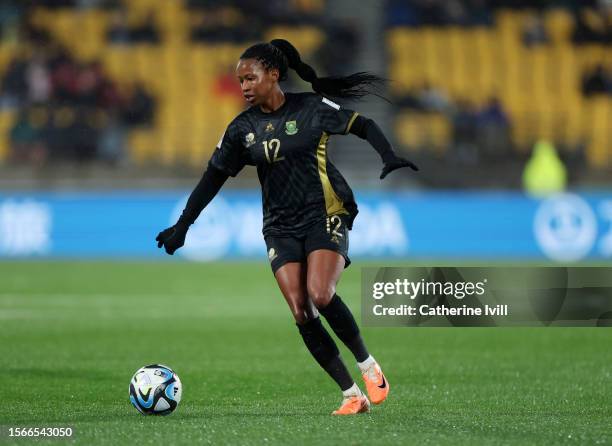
{"x": 333, "y": 118}
{"x": 229, "y": 155}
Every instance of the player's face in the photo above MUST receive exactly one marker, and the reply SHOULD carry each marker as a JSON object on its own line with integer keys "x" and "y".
{"x": 256, "y": 81}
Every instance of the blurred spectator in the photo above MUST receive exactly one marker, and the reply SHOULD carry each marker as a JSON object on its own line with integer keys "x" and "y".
{"x": 109, "y": 97}
{"x": 480, "y": 12}
{"x": 111, "y": 145}
{"x": 70, "y": 135}
{"x": 401, "y": 12}
{"x": 598, "y": 81}
{"x": 11, "y": 12}
{"x": 534, "y": 32}
{"x": 38, "y": 80}
{"x": 340, "y": 49}
{"x": 438, "y": 12}
{"x": 408, "y": 100}
{"x": 34, "y": 34}
{"x": 478, "y": 134}
{"x": 427, "y": 99}
{"x": 493, "y": 114}
{"x": 259, "y": 14}
{"x": 432, "y": 99}
{"x": 434, "y": 12}
{"x": 55, "y": 3}
{"x": 26, "y": 138}
{"x": 224, "y": 25}
{"x": 274, "y": 12}
{"x": 494, "y": 139}
{"x": 145, "y": 32}
{"x": 64, "y": 78}
{"x": 69, "y": 111}
{"x": 14, "y": 84}
{"x": 120, "y": 33}
{"x": 455, "y": 12}
{"x": 464, "y": 125}
{"x": 592, "y": 26}
{"x": 83, "y": 135}
{"x": 208, "y": 4}
{"x": 87, "y": 86}
{"x": 139, "y": 107}
{"x": 100, "y": 4}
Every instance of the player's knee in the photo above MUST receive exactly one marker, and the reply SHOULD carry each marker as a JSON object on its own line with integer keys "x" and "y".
{"x": 300, "y": 317}
{"x": 298, "y": 309}
{"x": 304, "y": 317}
{"x": 305, "y": 314}
{"x": 321, "y": 295}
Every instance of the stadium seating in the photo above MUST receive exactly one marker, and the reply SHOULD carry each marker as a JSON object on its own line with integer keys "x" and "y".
{"x": 539, "y": 86}
{"x": 191, "y": 116}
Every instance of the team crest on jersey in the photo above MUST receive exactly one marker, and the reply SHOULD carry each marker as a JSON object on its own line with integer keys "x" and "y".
{"x": 291, "y": 127}
{"x": 269, "y": 127}
{"x": 249, "y": 139}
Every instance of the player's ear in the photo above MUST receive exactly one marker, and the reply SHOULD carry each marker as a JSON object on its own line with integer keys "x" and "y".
{"x": 274, "y": 74}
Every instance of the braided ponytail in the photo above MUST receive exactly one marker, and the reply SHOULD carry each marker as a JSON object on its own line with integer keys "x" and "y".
{"x": 281, "y": 54}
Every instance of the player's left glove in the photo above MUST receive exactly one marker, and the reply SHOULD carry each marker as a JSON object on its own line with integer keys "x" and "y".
{"x": 173, "y": 237}
{"x": 395, "y": 162}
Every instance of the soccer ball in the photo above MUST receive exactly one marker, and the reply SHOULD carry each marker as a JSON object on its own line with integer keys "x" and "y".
{"x": 155, "y": 390}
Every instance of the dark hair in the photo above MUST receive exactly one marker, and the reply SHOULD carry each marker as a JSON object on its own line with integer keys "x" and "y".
{"x": 282, "y": 55}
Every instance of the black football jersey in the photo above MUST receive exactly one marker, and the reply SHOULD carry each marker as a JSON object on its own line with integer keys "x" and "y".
{"x": 299, "y": 184}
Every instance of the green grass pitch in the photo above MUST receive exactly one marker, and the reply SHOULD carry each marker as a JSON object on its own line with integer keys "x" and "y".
{"x": 73, "y": 333}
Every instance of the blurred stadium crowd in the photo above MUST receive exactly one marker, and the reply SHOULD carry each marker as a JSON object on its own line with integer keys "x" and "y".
{"x": 482, "y": 82}
{"x": 150, "y": 82}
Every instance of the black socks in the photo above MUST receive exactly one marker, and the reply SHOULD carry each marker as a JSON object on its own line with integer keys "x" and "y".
{"x": 343, "y": 323}
{"x": 324, "y": 350}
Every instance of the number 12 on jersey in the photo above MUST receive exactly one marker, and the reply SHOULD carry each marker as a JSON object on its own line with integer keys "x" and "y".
{"x": 274, "y": 146}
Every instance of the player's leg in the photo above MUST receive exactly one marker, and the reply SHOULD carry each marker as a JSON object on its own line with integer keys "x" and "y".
{"x": 324, "y": 270}
{"x": 291, "y": 278}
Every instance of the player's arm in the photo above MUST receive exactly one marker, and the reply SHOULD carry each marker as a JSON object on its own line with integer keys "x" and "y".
{"x": 227, "y": 160}
{"x": 338, "y": 120}
{"x": 368, "y": 129}
{"x": 209, "y": 185}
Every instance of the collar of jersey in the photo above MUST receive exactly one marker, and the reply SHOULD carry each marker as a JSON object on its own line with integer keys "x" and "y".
{"x": 276, "y": 112}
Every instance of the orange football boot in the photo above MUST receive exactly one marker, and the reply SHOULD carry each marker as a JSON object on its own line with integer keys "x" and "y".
{"x": 376, "y": 384}
{"x": 353, "y": 405}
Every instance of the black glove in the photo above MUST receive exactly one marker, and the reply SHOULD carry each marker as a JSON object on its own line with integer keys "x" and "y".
{"x": 173, "y": 237}
{"x": 395, "y": 162}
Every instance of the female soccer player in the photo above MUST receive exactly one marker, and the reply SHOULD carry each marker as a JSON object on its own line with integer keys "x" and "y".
{"x": 308, "y": 207}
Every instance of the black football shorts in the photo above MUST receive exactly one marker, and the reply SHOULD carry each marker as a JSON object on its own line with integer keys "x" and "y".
{"x": 330, "y": 233}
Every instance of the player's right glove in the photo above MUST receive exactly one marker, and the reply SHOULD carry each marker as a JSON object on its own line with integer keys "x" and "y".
{"x": 173, "y": 237}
